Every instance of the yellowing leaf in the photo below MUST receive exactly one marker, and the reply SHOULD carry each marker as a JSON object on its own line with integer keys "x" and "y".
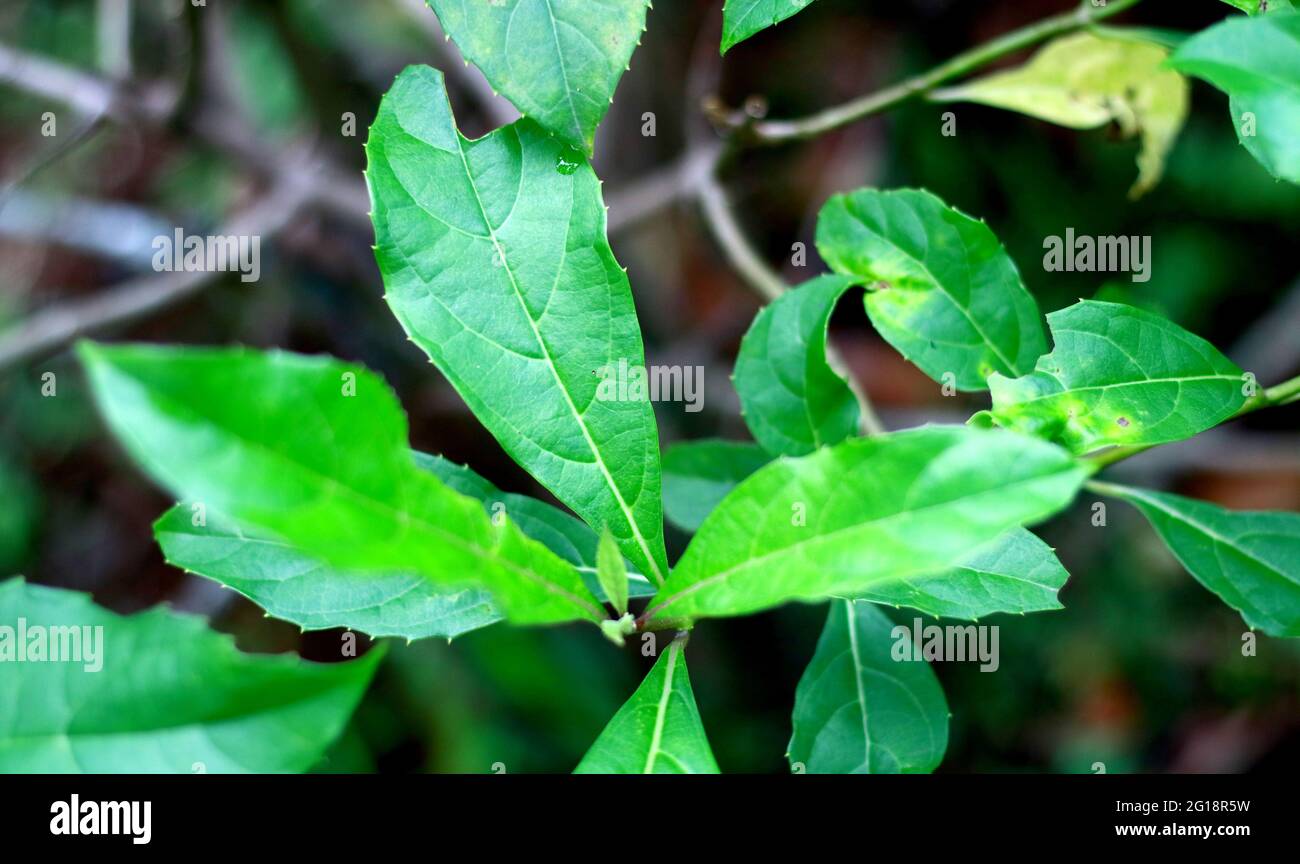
{"x": 1118, "y": 376}
{"x": 944, "y": 291}
{"x": 1085, "y": 81}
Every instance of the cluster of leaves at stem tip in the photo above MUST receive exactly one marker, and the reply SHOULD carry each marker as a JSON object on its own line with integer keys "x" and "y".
{"x": 495, "y": 261}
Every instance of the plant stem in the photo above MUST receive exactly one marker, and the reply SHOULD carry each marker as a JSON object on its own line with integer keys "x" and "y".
{"x": 779, "y": 131}
{"x": 1108, "y": 489}
{"x": 868, "y": 420}
{"x": 729, "y": 235}
{"x": 1281, "y": 394}
{"x": 721, "y": 220}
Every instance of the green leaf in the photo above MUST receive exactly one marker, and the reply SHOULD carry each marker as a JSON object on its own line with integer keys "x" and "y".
{"x": 162, "y": 693}
{"x": 1016, "y": 573}
{"x": 558, "y": 61}
{"x": 743, "y": 18}
{"x": 558, "y": 531}
{"x": 1119, "y": 375}
{"x": 611, "y": 572}
{"x": 859, "y": 711}
{"x": 1251, "y": 559}
{"x": 943, "y": 291}
{"x": 314, "y": 452}
{"x": 293, "y": 586}
{"x": 1256, "y": 61}
{"x": 658, "y": 730}
{"x": 495, "y": 260}
{"x": 790, "y": 397}
{"x": 1256, "y": 7}
{"x": 862, "y": 514}
{"x": 699, "y": 474}
{"x": 1084, "y": 81}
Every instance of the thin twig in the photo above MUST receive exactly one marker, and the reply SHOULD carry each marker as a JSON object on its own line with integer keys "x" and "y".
{"x": 53, "y": 329}
{"x": 722, "y": 223}
{"x": 86, "y": 93}
{"x": 702, "y": 77}
{"x": 869, "y": 421}
{"x": 294, "y": 183}
{"x": 63, "y": 145}
{"x": 313, "y": 182}
{"x": 113, "y": 37}
{"x": 731, "y": 238}
{"x": 338, "y": 192}
{"x": 780, "y": 131}
{"x": 637, "y": 200}
{"x": 122, "y": 232}
{"x": 718, "y": 214}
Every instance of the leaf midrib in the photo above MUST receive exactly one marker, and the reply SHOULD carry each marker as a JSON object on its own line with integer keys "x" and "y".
{"x": 1137, "y": 495}
{"x": 925, "y": 268}
{"x": 661, "y": 710}
{"x": 385, "y": 507}
{"x": 568, "y": 95}
{"x": 1067, "y": 389}
{"x": 857, "y": 680}
{"x": 599, "y": 458}
{"x": 244, "y": 586}
{"x": 823, "y": 537}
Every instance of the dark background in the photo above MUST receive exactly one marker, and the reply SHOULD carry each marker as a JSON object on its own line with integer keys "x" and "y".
{"x": 1143, "y": 669}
